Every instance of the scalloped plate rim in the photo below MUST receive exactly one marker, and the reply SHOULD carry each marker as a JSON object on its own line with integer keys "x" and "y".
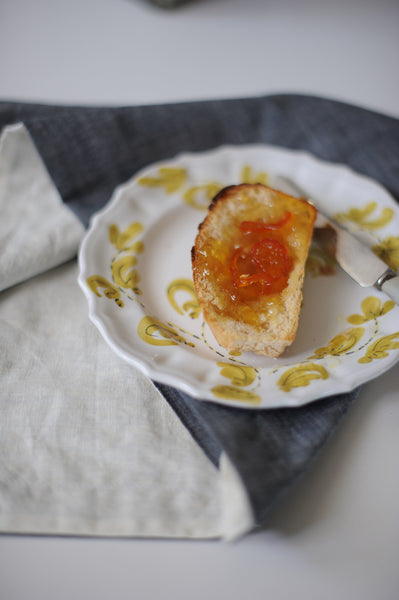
{"x": 160, "y": 372}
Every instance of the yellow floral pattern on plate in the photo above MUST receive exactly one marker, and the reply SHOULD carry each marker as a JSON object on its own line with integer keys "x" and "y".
{"x": 125, "y": 276}
{"x": 301, "y": 375}
{"x": 243, "y": 381}
{"x": 381, "y": 347}
{"x": 168, "y": 178}
{"x": 153, "y": 331}
{"x": 364, "y": 217}
{"x": 97, "y": 282}
{"x": 241, "y": 377}
{"x": 199, "y": 196}
{"x": 345, "y": 343}
{"x": 388, "y": 251}
{"x": 186, "y": 288}
{"x": 341, "y": 343}
{"x": 372, "y": 308}
{"x": 172, "y": 180}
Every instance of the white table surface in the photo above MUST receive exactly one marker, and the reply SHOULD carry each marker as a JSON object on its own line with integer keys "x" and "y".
{"x": 336, "y": 534}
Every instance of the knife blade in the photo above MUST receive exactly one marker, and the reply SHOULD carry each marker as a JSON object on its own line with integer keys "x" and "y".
{"x": 352, "y": 255}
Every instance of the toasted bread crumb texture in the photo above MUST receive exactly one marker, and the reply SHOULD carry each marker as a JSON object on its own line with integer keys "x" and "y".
{"x": 249, "y": 319}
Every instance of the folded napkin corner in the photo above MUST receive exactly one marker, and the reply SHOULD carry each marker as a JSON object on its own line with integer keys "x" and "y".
{"x": 37, "y": 230}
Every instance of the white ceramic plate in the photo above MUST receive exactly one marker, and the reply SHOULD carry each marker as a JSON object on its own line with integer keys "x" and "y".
{"x": 135, "y": 270}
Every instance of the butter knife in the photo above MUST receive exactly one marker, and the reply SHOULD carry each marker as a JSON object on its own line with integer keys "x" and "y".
{"x": 354, "y": 257}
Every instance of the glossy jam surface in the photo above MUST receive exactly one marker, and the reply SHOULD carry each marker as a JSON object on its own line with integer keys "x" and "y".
{"x": 252, "y": 262}
{"x": 262, "y": 263}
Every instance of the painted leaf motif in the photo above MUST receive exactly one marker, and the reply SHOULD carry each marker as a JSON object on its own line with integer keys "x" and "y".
{"x": 341, "y": 343}
{"x": 153, "y": 331}
{"x": 199, "y": 196}
{"x": 233, "y": 393}
{"x": 168, "y": 178}
{"x": 301, "y": 375}
{"x": 123, "y": 272}
{"x": 240, "y": 375}
{"x": 97, "y": 282}
{"x": 191, "y": 306}
{"x": 372, "y": 308}
{"x": 363, "y": 216}
{"x": 124, "y": 240}
{"x": 380, "y": 348}
{"x": 388, "y": 251}
{"x": 248, "y": 176}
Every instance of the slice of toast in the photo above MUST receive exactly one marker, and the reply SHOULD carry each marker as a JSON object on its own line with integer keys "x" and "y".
{"x": 248, "y": 265}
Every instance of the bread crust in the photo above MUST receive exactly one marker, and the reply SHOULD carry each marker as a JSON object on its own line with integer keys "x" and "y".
{"x": 265, "y": 325}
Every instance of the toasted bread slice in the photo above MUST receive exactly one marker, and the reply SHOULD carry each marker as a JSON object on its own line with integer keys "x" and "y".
{"x": 248, "y": 265}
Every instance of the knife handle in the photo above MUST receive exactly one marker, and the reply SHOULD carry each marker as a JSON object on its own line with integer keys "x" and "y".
{"x": 391, "y": 287}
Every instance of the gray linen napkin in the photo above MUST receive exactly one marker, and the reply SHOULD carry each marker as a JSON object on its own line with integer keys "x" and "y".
{"x": 89, "y": 151}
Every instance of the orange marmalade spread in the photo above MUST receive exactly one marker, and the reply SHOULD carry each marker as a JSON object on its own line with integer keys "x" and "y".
{"x": 253, "y": 259}
{"x": 262, "y": 262}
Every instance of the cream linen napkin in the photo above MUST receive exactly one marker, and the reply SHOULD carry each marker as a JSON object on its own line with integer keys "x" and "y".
{"x": 29, "y": 243}
{"x": 88, "y": 445}
{"x": 88, "y": 151}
